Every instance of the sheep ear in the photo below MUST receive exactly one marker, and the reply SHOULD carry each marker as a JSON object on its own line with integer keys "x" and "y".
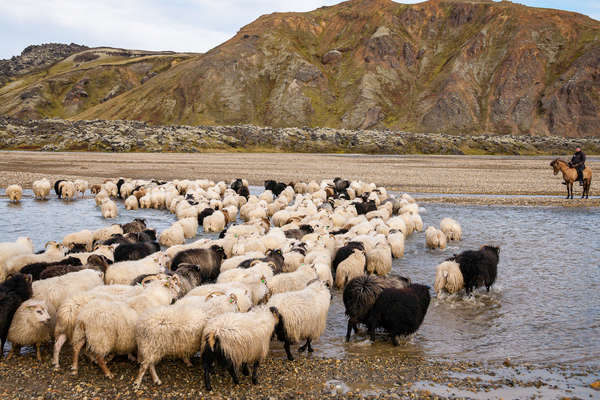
{"x": 28, "y": 278}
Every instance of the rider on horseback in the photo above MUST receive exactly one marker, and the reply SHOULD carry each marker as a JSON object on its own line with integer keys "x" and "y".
{"x": 578, "y": 162}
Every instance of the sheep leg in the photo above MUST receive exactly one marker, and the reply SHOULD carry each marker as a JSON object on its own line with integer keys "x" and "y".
{"x": 255, "y": 373}
{"x": 155, "y": 377}
{"x": 286, "y": 346}
{"x": 233, "y": 374}
{"x": 60, "y": 341}
{"x": 395, "y": 340}
{"x": 304, "y": 346}
{"x": 349, "y": 331}
{"x": 76, "y": 350}
{"x": 131, "y": 357}
{"x": 38, "y": 352}
{"x": 207, "y": 376}
{"x": 11, "y": 352}
{"x": 138, "y": 380}
{"x": 187, "y": 362}
{"x": 245, "y": 369}
{"x": 103, "y": 367}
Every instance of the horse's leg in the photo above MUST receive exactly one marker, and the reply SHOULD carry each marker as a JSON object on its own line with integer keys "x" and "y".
{"x": 567, "y": 189}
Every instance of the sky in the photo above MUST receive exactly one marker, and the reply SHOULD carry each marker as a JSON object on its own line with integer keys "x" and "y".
{"x": 178, "y": 25}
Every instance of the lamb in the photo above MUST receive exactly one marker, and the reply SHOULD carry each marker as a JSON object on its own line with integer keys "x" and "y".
{"x": 435, "y": 238}
{"x": 361, "y": 293}
{"x": 290, "y": 281}
{"x": 379, "y": 260}
{"x": 236, "y": 339}
{"x": 22, "y": 246}
{"x": 126, "y": 271}
{"x": 302, "y": 315}
{"x": 31, "y": 325}
{"x": 209, "y": 260}
{"x": 13, "y": 292}
{"x": 215, "y": 222}
{"x": 345, "y": 251}
{"x": 451, "y": 229}
{"x": 108, "y": 208}
{"x": 131, "y": 203}
{"x": 448, "y": 278}
{"x": 135, "y": 251}
{"x": 172, "y": 236}
{"x": 109, "y": 326}
{"x": 95, "y": 189}
{"x": 41, "y": 188}
{"x": 53, "y": 252}
{"x": 399, "y": 311}
{"x": 352, "y": 267}
{"x": 14, "y": 193}
{"x": 36, "y": 269}
{"x": 85, "y": 237}
{"x": 176, "y": 331}
{"x": 479, "y": 267}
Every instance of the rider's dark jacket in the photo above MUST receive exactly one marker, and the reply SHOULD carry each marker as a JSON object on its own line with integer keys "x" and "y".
{"x": 578, "y": 160}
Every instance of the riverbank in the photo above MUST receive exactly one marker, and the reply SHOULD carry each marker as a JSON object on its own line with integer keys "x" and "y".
{"x": 474, "y": 178}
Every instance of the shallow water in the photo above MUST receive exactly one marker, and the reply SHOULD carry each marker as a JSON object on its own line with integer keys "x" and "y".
{"x": 544, "y": 307}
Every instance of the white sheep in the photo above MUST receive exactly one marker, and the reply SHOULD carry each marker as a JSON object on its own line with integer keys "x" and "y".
{"x": 302, "y": 315}
{"x": 289, "y": 281}
{"x": 189, "y": 226}
{"x": 31, "y": 325}
{"x": 67, "y": 313}
{"x": 108, "y": 326}
{"x": 324, "y": 273}
{"x": 85, "y": 237}
{"x": 53, "y": 252}
{"x": 350, "y": 268}
{"x": 215, "y": 222}
{"x": 242, "y": 338}
{"x": 233, "y": 262}
{"x": 14, "y": 193}
{"x": 22, "y": 246}
{"x": 125, "y": 272}
{"x": 242, "y": 292}
{"x": 176, "y": 330}
{"x": 292, "y": 260}
{"x": 172, "y": 235}
{"x": 111, "y": 188}
{"x": 379, "y": 260}
{"x": 396, "y": 241}
{"x": 41, "y": 188}
{"x": 105, "y": 233}
{"x": 100, "y": 197}
{"x": 67, "y": 190}
{"x": 108, "y": 208}
{"x": 55, "y": 290}
{"x": 451, "y": 229}
{"x": 435, "y": 238}
{"x": 81, "y": 186}
{"x": 131, "y": 202}
{"x": 448, "y": 277}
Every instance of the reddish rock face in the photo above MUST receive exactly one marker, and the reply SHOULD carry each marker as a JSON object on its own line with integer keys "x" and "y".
{"x": 440, "y": 66}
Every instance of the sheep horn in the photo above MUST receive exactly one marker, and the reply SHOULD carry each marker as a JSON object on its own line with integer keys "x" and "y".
{"x": 214, "y": 294}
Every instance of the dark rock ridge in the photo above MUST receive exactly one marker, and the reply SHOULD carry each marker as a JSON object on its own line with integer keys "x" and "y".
{"x": 126, "y": 136}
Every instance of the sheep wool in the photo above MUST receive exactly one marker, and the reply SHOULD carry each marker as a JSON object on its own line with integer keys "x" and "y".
{"x": 448, "y": 278}
{"x": 290, "y": 281}
{"x": 379, "y": 260}
{"x": 172, "y": 235}
{"x": 14, "y": 193}
{"x": 22, "y": 246}
{"x": 131, "y": 203}
{"x": 435, "y": 238}
{"x": 108, "y": 208}
{"x": 451, "y": 229}
{"x": 41, "y": 188}
{"x": 31, "y": 325}
{"x": 352, "y": 267}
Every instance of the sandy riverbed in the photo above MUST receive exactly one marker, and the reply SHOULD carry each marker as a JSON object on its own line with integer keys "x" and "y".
{"x": 480, "y": 175}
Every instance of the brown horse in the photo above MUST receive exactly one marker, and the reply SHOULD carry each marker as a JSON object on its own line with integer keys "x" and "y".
{"x": 570, "y": 175}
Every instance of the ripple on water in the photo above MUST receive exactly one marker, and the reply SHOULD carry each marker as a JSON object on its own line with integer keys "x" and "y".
{"x": 544, "y": 306}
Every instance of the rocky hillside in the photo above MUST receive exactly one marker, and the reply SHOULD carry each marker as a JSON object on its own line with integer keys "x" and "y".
{"x": 463, "y": 67}
{"x": 127, "y": 136}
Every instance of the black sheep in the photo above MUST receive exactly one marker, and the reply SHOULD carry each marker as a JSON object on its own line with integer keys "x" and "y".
{"x": 345, "y": 252}
{"x": 298, "y": 233}
{"x": 275, "y": 187}
{"x": 137, "y": 225}
{"x": 189, "y": 275}
{"x": 203, "y": 214}
{"x": 14, "y": 291}
{"x": 361, "y": 293}
{"x": 57, "y": 189}
{"x": 365, "y": 207}
{"x": 399, "y": 311}
{"x": 340, "y": 185}
{"x": 274, "y": 256}
{"x": 115, "y": 238}
{"x": 77, "y": 248}
{"x": 135, "y": 251}
{"x": 209, "y": 260}
{"x": 478, "y": 267}
{"x": 36, "y": 269}
{"x": 120, "y": 183}
{"x": 239, "y": 187}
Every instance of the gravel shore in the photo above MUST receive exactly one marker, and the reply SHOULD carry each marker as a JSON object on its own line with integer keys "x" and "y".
{"x": 465, "y": 175}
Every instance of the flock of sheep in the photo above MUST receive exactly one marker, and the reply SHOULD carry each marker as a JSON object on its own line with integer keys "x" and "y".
{"x": 123, "y": 289}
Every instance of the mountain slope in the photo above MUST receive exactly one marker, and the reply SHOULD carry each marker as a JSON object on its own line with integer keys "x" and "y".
{"x": 440, "y": 66}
